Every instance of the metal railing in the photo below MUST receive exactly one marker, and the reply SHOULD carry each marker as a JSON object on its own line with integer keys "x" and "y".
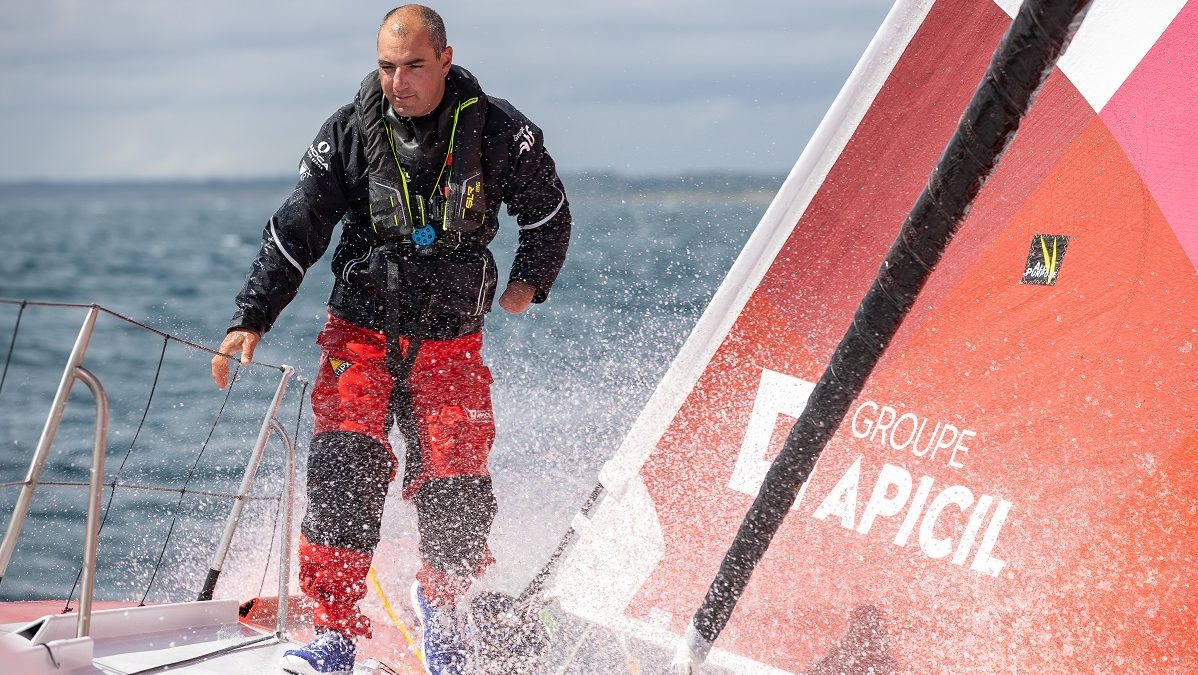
{"x": 73, "y": 371}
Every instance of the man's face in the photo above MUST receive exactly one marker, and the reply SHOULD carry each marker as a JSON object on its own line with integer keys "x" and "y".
{"x": 412, "y": 76}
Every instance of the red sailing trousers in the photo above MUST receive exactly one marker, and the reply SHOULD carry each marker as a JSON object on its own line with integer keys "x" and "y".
{"x": 443, "y": 411}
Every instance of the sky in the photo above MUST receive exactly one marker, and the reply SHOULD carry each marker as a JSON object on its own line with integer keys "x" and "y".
{"x": 124, "y": 89}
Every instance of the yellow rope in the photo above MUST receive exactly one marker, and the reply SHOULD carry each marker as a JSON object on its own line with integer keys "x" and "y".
{"x": 378, "y": 590}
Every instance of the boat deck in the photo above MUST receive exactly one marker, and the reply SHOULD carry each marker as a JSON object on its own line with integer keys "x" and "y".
{"x": 202, "y": 638}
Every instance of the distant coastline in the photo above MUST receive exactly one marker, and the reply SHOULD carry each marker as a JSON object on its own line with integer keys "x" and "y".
{"x": 706, "y": 180}
{"x": 693, "y": 187}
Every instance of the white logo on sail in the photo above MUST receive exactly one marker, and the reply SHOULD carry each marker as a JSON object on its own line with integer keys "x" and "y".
{"x": 777, "y": 394}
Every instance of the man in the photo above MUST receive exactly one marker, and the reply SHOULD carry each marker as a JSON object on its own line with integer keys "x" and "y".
{"x": 417, "y": 165}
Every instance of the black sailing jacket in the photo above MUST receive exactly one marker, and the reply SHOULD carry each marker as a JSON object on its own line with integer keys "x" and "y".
{"x": 333, "y": 185}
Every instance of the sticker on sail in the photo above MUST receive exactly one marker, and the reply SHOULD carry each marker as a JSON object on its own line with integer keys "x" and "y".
{"x": 1044, "y": 259}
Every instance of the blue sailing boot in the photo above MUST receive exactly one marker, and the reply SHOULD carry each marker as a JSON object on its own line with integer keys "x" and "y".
{"x": 329, "y": 653}
{"x": 443, "y": 643}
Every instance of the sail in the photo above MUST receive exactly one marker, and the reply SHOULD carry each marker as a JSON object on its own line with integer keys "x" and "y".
{"x": 1015, "y": 486}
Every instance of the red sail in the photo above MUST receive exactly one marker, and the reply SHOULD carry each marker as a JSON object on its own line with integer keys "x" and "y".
{"x": 1016, "y": 486}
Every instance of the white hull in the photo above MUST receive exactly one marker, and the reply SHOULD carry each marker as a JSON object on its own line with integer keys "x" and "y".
{"x": 180, "y": 636}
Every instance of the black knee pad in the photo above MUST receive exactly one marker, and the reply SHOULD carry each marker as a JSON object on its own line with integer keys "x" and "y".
{"x": 454, "y": 516}
{"x": 348, "y": 476}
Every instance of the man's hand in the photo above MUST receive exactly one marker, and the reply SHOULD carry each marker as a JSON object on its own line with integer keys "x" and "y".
{"x": 236, "y": 342}
{"x": 517, "y": 297}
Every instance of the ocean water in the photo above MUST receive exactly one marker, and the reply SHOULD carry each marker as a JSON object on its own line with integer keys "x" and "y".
{"x": 570, "y": 375}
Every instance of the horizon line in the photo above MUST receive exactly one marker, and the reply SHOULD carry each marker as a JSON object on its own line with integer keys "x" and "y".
{"x": 589, "y": 174}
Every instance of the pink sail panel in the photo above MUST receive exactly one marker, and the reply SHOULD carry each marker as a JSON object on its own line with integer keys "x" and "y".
{"x": 1154, "y": 115}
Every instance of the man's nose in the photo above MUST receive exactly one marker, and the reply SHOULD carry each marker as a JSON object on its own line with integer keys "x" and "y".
{"x": 398, "y": 80}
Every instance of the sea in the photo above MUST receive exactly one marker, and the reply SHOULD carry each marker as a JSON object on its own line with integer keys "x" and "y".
{"x": 166, "y": 259}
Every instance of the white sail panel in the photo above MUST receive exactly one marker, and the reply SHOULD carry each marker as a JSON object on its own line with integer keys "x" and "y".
{"x": 768, "y": 237}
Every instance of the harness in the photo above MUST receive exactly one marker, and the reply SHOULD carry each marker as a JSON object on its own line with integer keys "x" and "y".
{"x": 457, "y": 204}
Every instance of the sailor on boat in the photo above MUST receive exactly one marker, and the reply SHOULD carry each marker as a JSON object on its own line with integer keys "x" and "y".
{"x": 415, "y": 169}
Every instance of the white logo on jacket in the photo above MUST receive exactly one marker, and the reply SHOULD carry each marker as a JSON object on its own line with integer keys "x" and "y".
{"x": 317, "y": 152}
{"x": 527, "y": 140}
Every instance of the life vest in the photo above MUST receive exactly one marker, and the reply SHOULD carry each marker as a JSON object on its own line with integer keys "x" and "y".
{"x": 458, "y": 205}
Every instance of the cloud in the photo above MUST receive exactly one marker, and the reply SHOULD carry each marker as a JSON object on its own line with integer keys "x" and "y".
{"x": 125, "y": 89}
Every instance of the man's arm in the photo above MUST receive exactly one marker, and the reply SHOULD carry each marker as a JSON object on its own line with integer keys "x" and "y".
{"x": 536, "y": 198}
{"x": 292, "y": 241}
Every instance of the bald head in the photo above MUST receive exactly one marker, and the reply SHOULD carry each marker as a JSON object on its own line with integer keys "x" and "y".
{"x": 406, "y": 19}
{"x": 413, "y": 60}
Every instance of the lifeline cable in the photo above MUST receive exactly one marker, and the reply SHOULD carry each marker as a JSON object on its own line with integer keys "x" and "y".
{"x": 1024, "y": 58}
{"x": 186, "y": 481}
{"x": 122, "y": 317}
{"x": 12, "y": 344}
{"x": 116, "y": 478}
{"x": 146, "y": 488}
